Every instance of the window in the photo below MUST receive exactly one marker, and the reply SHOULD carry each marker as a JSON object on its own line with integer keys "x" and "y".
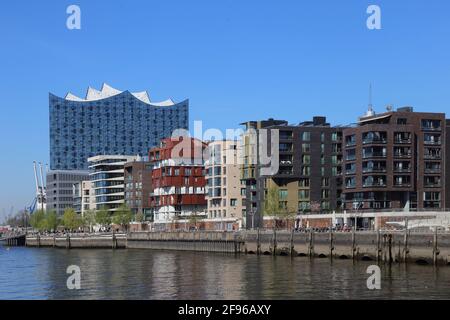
{"x": 306, "y": 171}
{"x": 306, "y": 159}
{"x": 233, "y": 202}
{"x": 303, "y": 183}
{"x": 325, "y": 193}
{"x": 283, "y": 194}
{"x": 303, "y": 194}
{"x": 325, "y": 182}
{"x": 402, "y": 121}
{"x": 306, "y": 147}
{"x": 306, "y": 136}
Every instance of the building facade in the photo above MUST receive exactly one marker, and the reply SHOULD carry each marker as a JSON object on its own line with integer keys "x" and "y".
{"x": 83, "y": 197}
{"x": 225, "y": 191}
{"x": 108, "y": 180}
{"x": 397, "y": 160}
{"x": 60, "y": 188}
{"x": 178, "y": 181}
{"x": 109, "y": 122}
{"x": 138, "y": 183}
{"x": 309, "y": 169}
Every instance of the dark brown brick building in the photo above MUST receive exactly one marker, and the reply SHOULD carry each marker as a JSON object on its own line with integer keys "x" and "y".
{"x": 397, "y": 160}
{"x": 138, "y": 187}
{"x": 309, "y": 175}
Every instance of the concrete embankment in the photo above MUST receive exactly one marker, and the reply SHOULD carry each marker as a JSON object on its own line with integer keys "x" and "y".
{"x": 387, "y": 247}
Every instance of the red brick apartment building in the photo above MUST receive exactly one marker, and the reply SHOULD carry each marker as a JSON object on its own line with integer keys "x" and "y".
{"x": 178, "y": 182}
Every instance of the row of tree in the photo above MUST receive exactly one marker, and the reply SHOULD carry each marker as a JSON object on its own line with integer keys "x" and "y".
{"x": 70, "y": 220}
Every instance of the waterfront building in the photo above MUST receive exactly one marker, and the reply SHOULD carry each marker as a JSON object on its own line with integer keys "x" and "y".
{"x": 138, "y": 183}
{"x": 60, "y": 188}
{"x": 108, "y": 179}
{"x": 109, "y": 122}
{"x": 308, "y": 176}
{"x": 225, "y": 191}
{"x": 178, "y": 181}
{"x": 397, "y": 160}
{"x": 83, "y": 197}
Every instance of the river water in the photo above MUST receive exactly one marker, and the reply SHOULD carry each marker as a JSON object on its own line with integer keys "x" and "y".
{"x": 31, "y": 273}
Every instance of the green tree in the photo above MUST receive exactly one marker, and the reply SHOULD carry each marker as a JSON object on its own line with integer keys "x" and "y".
{"x": 139, "y": 217}
{"x": 102, "y": 217}
{"x": 273, "y": 206}
{"x": 70, "y": 219}
{"x": 122, "y": 216}
{"x": 37, "y": 220}
{"x": 51, "y": 220}
{"x": 89, "y": 219}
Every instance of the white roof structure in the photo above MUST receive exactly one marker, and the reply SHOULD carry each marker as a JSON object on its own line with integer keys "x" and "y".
{"x": 107, "y": 91}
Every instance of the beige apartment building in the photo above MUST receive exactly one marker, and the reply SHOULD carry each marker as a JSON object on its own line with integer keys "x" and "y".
{"x": 225, "y": 192}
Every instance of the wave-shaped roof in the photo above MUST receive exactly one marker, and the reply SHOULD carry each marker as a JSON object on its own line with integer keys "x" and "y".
{"x": 107, "y": 91}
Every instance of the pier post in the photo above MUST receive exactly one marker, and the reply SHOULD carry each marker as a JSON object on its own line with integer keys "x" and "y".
{"x": 258, "y": 242}
{"x": 274, "y": 249}
{"x": 311, "y": 244}
{"x": 354, "y": 244}
{"x": 38, "y": 240}
{"x": 378, "y": 245}
{"x": 54, "y": 240}
{"x": 331, "y": 243}
{"x": 68, "y": 241}
{"x": 405, "y": 244}
{"x": 390, "y": 248}
{"x": 435, "y": 247}
{"x": 291, "y": 249}
{"x": 114, "y": 242}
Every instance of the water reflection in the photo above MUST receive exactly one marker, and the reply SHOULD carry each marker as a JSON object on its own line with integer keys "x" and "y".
{"x": 27, "y": 273}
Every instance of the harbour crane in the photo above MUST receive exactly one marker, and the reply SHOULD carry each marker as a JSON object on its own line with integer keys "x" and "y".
{"x": 40, "y": 199}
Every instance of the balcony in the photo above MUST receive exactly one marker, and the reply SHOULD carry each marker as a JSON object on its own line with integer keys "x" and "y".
{"x": 374, "y": 141}
{"x": 374, "y": 170}
{"x": 367, "y": 155}
{"x": 374, "y": 184}
{"x": 433, "y": 170}
{"x": 432, "y": 156}
{"x": 402, "y": 184}
{"x": 432, "y": 142}
{"x": 402, "y": 155}
{"x": 402, "y": 141}
{"x": 433, "y": 185}
{"x": 402, "y": 170}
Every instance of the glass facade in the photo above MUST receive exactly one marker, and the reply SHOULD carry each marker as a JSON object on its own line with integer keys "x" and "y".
{"x": 115, "y": 125}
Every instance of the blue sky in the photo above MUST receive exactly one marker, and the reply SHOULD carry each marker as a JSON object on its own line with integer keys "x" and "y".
{"x": 234, "y": 60}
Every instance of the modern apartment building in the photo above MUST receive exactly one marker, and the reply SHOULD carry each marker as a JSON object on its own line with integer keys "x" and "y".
{"x": 178, "y": 180}
{"x": 225, "y": 190}
{"x": 109, "y": 122}
{"x": 138, "y": 183}
{"x": 83, "y": 197}
{"x": 308, "y": 178}
{"x": 397, "y": 160}
{"x": 108, "y": 180}
{"x": 60, "y": 188}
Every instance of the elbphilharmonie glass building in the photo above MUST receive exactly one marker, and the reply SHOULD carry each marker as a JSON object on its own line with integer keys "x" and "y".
{"x": 109, "y": 122}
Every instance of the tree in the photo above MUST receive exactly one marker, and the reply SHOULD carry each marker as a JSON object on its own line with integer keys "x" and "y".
{"x": 70, "y": 219}
{"x": 89, "y": 219}
{"x": 139, "y": 217}
{"x": 122, "y": 216}
{"x": 273, "y": 207}
{"x": 102, "y": 217}
{"x": 51, "y": 221}
{"x": 37, "y": 220}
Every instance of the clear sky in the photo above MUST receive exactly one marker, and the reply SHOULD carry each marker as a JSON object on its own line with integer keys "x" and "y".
{"x": 235, "y": 61}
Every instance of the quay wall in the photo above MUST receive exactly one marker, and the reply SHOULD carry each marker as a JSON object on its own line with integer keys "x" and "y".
{"x": 387, "y": 247}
